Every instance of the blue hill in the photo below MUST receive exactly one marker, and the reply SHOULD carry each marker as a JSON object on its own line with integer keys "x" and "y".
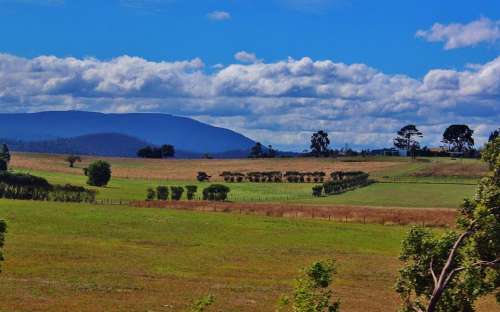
{"x": 184, "y": 133}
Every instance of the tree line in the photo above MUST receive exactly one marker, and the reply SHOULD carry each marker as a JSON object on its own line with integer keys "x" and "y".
{"x": 457, "y": 139}
{"x": 214, "y": 192}
{"x": 164, "y": 151}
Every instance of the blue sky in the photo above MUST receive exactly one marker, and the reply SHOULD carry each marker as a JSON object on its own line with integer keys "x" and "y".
{"x": 259, "y": 66}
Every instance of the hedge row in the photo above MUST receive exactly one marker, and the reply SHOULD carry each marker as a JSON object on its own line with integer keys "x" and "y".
{"x": 162, "y": 192}
{"x": 274, "y": 176}
{"x": 29, "y": 187}
{"x": 342, "y": 182}
{"x": 216, "y": 192}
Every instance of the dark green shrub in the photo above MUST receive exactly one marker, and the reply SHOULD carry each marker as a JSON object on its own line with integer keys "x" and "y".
{"x": 151, "y": 194}
{"x": 191, "y": 191}
{"x": 217, "y": 192}
{"x": 317, "y": 190}
{"x": 3, "y": 165}
{"x": 162, "y": 192}
{"x": 203, "y": 177}
{"x": 23, "y": 186}
{"x": 72, "y": 193}
{"x": 177, "y": 192}
{"x": 99, "y": 173}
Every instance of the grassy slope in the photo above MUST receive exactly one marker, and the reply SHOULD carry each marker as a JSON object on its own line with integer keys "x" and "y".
{"x": 62, "y": 257}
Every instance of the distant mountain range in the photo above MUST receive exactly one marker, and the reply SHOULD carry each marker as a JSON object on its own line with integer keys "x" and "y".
{"x": 117, "y": 134}
{"x": 102, "y": 144}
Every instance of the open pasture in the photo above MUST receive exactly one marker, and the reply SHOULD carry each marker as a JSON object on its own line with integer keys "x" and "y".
{"x": 187, "y": 169}
{"x": 413, "y": 184}
{"x": 74, "y": 257}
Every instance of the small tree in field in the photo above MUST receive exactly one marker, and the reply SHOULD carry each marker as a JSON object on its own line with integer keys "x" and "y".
{"x": 150, "y": 194}
{"x": 98, "y": 173}
{"x": 407, "y": 139}
{"x": 72, "y": 159}
{"x": 3, "y": 230}
{"x": 312, "y": 292}
{"x": 191, "y": 191}
{"x": 162, "y": 192}
{"x": 177, "y": 192}
{"x": 449, "y": 272}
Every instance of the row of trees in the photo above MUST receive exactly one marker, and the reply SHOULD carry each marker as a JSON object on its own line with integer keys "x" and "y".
{"x": 164, "y": 151}
{"x": 259, "y": 151}
{"x": 456, "y": 139}
{"x": 342, "y": 182}
{"x": 174, "y": 192}
{"x": 274, "y": 176}
{"x": 215, "y": 192}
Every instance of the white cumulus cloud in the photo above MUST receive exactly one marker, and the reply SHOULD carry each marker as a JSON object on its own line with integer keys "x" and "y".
{"x": 219, "y": 16}
{"x": 457, "y": 35}
{"x": 280, "y": 103}
{"x": 246, "y": 57}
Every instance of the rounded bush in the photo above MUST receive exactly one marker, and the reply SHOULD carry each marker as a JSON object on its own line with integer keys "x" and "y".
{"x": 99, "y": 173}
{"x": 216, "y": 192}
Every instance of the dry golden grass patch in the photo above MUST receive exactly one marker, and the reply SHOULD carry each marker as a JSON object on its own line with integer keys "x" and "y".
{"x": 342, "y": 213}
{"x": 187, "y": 169}
{"x": 457, "y": 169}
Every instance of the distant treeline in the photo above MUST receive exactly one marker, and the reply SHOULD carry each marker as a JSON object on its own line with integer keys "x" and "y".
{"x": 164, "y": 151}
{"x": 288, "y": 176}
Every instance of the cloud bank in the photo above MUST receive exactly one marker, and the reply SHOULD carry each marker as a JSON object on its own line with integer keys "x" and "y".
{"x": 457, "y": 35}
{"x": 279, "y": 103}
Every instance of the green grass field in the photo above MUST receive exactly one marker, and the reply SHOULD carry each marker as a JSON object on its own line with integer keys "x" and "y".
{"x": 62, "y": 257}
{"x": 79, "y": 257}
{"x": 400, "y": 194}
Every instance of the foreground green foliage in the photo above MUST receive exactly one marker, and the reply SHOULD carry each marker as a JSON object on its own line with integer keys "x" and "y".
{"x": 450, "y": 272}
{"x": 312, "y": 291}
